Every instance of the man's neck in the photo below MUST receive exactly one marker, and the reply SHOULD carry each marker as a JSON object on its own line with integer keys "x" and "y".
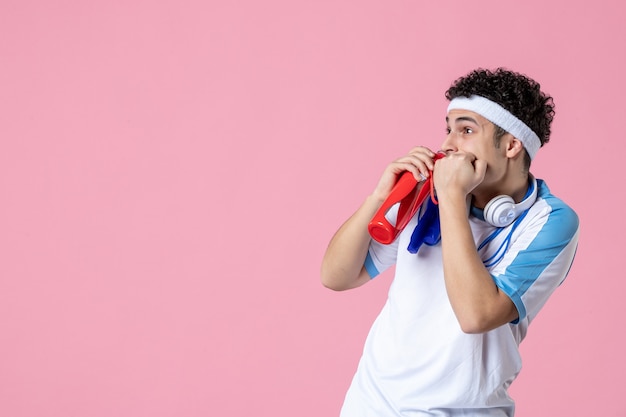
{"x": 516, "y": 187}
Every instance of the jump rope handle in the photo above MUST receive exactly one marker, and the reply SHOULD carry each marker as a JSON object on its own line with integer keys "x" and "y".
{"x": 410, "y": 196}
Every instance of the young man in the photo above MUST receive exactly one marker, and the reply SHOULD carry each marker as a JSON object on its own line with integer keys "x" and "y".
{"x": 446, "y": 342}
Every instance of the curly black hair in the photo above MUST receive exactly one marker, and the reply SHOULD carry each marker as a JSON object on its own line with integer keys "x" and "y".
{"x": 517, "y": 93}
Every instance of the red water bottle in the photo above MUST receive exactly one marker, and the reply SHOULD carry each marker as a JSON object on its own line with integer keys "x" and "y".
{"x": 410, "y": 196}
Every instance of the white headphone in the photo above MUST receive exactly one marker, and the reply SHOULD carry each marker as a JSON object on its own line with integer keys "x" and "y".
{"x": 501, "y": 211}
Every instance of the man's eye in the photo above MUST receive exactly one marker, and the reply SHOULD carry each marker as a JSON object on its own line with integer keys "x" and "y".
{"x": 448, "y": 130}
{"x": 468, "y": 130}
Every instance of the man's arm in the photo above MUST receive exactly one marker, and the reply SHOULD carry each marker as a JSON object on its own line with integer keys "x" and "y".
{"x": 343, "y": 263}
{"x": 342, "y": 266}
{"x": 478, "y": 303}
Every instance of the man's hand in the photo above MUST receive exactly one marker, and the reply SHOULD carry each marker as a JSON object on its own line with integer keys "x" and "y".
{"x": 458, "y": 174}
{"x": 419, "y": 161}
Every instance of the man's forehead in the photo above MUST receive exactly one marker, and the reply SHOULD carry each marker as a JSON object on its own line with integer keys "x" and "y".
{"x": 460, "y": 115}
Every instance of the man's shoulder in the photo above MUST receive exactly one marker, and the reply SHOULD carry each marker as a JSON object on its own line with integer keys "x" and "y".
{"x": 556, "y": 215}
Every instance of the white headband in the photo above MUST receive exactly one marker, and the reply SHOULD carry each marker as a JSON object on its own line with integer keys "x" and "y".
{"x": 498, "y": 115}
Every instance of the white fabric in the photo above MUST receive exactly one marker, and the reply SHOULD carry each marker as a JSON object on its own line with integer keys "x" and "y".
{"x": 500, "y": 116}
{"x": 417, "y": 361}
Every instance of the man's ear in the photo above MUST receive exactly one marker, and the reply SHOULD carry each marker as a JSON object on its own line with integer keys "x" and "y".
{"x": 514, "y": 147}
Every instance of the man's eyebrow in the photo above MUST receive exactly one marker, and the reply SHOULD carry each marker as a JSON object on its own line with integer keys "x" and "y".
{"x": 463, "y": 119}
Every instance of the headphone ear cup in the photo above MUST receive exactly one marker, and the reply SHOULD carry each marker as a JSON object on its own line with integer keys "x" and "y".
{"x": 500, "y": 211}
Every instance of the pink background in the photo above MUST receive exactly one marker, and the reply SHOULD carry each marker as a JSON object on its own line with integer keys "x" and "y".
{"x": 171, "y": 172}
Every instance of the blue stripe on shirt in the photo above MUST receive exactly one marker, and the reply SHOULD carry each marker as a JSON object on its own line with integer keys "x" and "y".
{"x": 527, "y": 267}
{"x": 370, "y": 267}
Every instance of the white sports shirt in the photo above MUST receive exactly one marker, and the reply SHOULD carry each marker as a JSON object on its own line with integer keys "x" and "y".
{"x": 417, "y": 361}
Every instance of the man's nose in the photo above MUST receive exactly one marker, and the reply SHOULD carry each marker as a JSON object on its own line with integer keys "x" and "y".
{"x": 449, "y": 144}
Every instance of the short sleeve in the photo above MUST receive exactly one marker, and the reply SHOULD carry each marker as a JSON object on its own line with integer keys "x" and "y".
{"x": 381, "y": 257}
{"x": 540, "y": 257}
